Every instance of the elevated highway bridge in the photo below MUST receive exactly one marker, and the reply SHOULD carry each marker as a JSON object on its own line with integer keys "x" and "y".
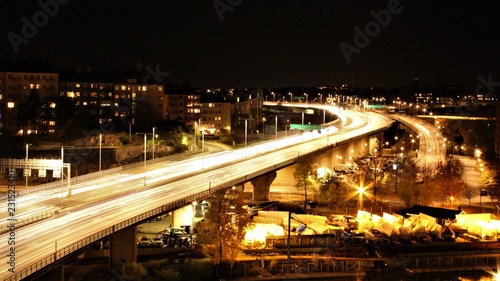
{"x": 152, "y": 192}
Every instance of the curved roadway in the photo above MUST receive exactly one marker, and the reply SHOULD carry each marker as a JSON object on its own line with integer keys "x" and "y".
{"x": 168, "y": 182}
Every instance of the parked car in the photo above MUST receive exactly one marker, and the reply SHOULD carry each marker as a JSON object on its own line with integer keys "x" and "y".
{"x": 157, "y": 241}
{"x": 145, "y": 241}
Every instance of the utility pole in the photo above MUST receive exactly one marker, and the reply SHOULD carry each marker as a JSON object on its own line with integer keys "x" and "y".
{"x": 145, "y": 157}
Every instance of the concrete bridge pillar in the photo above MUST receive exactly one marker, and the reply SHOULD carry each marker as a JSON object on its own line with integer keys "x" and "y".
{"x": 123, "y": 247}
{"x": 261, "y": 186}
{"x": 183, "y": 216}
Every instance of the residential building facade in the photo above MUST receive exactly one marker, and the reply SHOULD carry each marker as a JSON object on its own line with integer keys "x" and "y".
{"x": 27, "y": 93}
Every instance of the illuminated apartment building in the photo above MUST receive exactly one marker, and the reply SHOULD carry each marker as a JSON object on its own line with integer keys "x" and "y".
{"x": 183, "y": 107}
{"x": 215, "y": 116}
{"x": 28, "y": 89}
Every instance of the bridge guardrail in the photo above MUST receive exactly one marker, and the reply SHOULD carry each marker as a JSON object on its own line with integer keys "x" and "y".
{"x": 138, "y": 218}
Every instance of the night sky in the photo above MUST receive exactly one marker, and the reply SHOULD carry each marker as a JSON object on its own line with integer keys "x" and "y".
{"x": 266, "y": 43}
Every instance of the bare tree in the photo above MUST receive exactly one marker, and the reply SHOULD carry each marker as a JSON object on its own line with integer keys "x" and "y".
{"x": 305, "y": 175}
{"x": 469, "y": 192}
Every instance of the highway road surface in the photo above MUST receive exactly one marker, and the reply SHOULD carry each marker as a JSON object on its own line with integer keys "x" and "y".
{"x": 105, "y": 202}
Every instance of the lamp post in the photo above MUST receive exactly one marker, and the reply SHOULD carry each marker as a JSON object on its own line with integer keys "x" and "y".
{"x": 129, "y": 131}
{"x": 320, "y": 98}
{"x": 154, "y": 136}
{"x": 26, "y": 166}
{"x": 305, "y": 94}
{"x": 275, "y": 124}
{"x": 286, "y": 127}
{"x": 361, "y": 190}
{"x": 246, "y": 130}
{"x": 100, "y": 153}
{"x": 194, "y": 137}
{"x": 291, "y": 97}
{"x": 202, "y": 139}
{"x": 274, "y": 95}
{"x": 145, "y": 156}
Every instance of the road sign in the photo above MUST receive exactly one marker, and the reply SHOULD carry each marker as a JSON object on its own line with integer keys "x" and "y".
{"x": 304, "y": 127}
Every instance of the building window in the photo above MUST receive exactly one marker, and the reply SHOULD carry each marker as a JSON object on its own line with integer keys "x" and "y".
{"x": 10, "y": 105}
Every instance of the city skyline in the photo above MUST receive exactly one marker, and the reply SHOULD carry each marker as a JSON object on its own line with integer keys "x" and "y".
{"x": 240, "y": 43}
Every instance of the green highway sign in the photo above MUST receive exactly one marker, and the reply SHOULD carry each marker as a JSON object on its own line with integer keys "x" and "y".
{"x": 304, "y": 127}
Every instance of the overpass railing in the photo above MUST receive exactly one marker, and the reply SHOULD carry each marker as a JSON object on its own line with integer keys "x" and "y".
{"x": 59, "y": 254}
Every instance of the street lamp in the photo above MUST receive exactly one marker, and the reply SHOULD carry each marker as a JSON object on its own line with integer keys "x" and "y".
{"x": 274, "y": 95}
{"x": 286, "y": 126}
{"x": 129, "y": 131}
{"x": 275, "y": 124}
{"x": 246, "y": 129}
{"x": 145, "y": 157}
{"x": 100, "y": 154}
{"x": 26, "y": 165}
{"x": 305, "y": 94}
{"x": 153, "y": 156}
{"x": 291, "y": 97}
{"x": 361, "y": 190}
{"x": 320, "y": 98}
{"x": 202, "y": 139}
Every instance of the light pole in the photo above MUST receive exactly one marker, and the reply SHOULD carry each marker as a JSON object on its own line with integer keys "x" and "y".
{"x": 286, "y": 127}
{"x": 275, "y": 125}
{"x": 100, "y": 154}
{"x": 263, "y": 125}
{"x": 246, "y": 130}
{"x": 26, "y": 166}
{"x": 154, "y": 136}
{"x": 129, "y": 131}
{"x": 202, "y": 139}
{"x": 194, "y": 137}
{"x": 320, "y": 98}
{"x": 291, "y": 97}
{"x": 305, "y": 94}
{"x": 145, "y": 157}
{"x": 272, "y": 93}
{"x": 361, "y": 190}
